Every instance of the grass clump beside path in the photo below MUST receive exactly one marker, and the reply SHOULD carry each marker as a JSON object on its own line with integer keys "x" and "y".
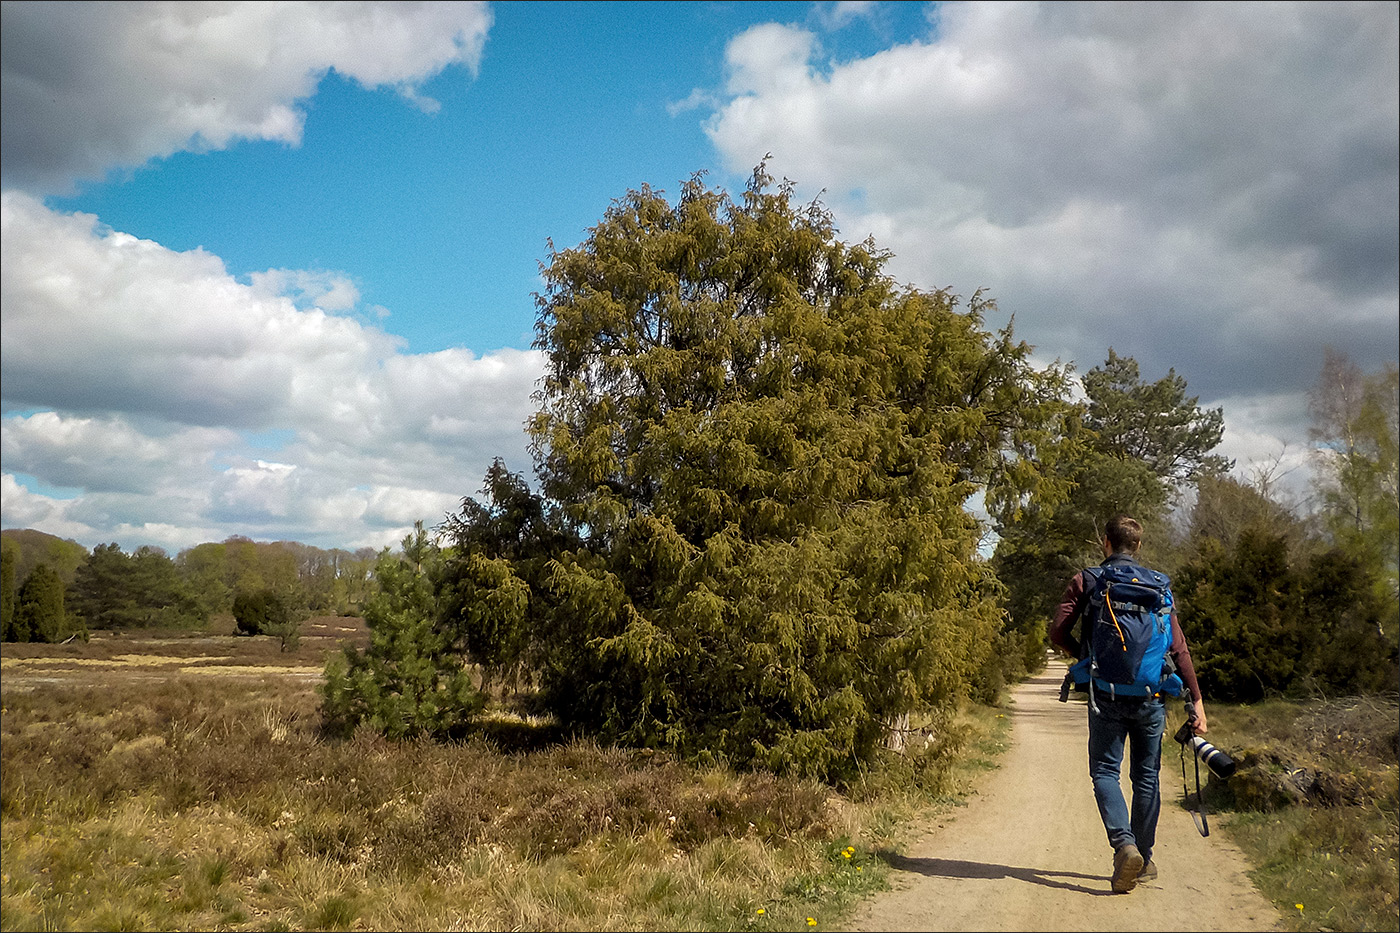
{"x": 213, "y": 803}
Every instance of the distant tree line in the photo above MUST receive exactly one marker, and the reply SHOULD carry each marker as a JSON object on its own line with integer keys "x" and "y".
{"x": 53, "y": 589}
{"x": 750, "y": 538}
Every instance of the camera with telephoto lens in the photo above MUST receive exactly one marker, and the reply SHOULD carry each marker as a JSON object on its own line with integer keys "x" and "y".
{"x": 1220, "y": 764}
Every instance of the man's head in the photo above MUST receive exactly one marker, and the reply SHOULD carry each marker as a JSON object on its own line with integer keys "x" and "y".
{"x": 1122, "y": 535}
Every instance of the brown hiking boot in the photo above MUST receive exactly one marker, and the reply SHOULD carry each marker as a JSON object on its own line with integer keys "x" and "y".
{"x": 1127, "y": 864}
{"x": 1149, "y": 871}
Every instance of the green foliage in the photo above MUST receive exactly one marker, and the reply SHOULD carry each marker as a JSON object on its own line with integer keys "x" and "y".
{"x": 1271, "y": 608}
{"x": 494, "y": 585}
{"x": 1128, "y": 448}
{"x": 259, "y": 613}
{"x": 304, "y": 577}
{"x": 7, "y": 593}
{"x": 32, "y": 548}
{"x": 144, "y": 589}
{"x": 39, "y": 613}
{"x": 1355, "y": 418}
{"x": 1356, "y": 624}
{"x": 765, "y": 446}
{"x": 408, "y": 682}
{"x": 1264, "y": 624}
{"x": 33, "y": 580}
{"x": 1045, "y": 545}
{"x": 1246, "y": 631}
{"x": 1154, "y": 424}
{"x": 111, "y": 589}
{"x": 147, "y": 588}
{"x": 206, "y": 569}
{"x": 37, "y": 568}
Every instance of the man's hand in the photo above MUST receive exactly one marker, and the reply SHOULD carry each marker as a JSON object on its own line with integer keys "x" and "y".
{"x": 1198, "y": 722}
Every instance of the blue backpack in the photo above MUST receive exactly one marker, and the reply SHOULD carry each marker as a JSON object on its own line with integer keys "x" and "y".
{"x": 1128, "y": 633}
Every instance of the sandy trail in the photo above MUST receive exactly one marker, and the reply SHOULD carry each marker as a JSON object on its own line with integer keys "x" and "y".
{"x": 1029, "y": 852}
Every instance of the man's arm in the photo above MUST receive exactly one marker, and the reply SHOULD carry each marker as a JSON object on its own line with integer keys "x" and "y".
{"x": 1181, "y": 654}
{"x": 1071, "y": 604}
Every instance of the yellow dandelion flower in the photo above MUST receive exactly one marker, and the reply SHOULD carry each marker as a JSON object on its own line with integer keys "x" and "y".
{"x": 811, "y": 922}
{"x": 1299, "y": 906}
{"x": 845, "y": 854}
{"x": 762, "y": 911}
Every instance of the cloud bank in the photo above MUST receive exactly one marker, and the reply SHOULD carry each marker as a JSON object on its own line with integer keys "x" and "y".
{"x": 153, "y": 398}
{"x": 1206, "y": 187}
{"x": 1209, "y": 188}
{"x": 151, "y": 379}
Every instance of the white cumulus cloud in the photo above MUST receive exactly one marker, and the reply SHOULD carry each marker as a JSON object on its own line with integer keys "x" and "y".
{"x": 88, "y": 87}
{"x": 150, "y": 380}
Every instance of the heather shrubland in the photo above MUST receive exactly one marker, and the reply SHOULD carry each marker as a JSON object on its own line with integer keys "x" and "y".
{"x": 214, "y": 798}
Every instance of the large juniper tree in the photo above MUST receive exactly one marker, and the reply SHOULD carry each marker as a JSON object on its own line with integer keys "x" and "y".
{"x": 765, "y": 447}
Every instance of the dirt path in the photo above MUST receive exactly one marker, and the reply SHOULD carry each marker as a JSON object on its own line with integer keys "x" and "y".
{"x": 1029, "y": 852}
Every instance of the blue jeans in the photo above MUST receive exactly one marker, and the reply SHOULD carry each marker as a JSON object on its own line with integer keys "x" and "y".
{"x": 1139, "y": 722}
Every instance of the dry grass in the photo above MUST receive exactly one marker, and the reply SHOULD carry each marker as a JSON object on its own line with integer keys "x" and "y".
{"x": 1314, "y": 805}
{"x": 183, "y": 783}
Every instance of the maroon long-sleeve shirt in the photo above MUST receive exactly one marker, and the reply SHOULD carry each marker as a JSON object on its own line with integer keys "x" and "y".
{"x": 1071, "y": 607}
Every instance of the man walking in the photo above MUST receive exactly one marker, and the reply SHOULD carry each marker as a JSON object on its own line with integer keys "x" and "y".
{"x": 1122, "y": 712}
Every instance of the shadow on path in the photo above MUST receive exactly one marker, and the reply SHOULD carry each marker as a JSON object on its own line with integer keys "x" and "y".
{"x": 957, "y": 868}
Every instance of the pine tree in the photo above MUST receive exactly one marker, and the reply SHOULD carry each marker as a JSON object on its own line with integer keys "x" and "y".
{"x": 1153, "y": 423}
{"x": 1129, "y": 448}
{"x": 7, "y": 595}
{"x": 408, "y": 682}
{"x": 39, "y": 611}
{"x": 143, "y": 589}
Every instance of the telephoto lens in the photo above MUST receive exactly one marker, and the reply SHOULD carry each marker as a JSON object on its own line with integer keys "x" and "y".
{"x": 1220, "y": 764}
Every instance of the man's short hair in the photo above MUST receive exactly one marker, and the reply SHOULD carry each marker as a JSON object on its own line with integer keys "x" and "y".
{"x": 1124, "y": 534}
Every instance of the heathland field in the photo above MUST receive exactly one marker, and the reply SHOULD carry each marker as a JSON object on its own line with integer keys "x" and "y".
{"x": 180, "y": 780}
{"x": 120, "y": 659}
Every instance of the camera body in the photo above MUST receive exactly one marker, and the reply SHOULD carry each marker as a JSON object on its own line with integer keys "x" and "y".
{"x": 1220, "y": 764}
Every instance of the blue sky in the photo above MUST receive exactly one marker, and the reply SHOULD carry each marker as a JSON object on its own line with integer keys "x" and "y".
{"x": 268, "y": 269}
{"x": 442, "y": 218}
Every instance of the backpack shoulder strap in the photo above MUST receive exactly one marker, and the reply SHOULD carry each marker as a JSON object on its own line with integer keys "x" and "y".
{"x": 1095, "y": 579}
